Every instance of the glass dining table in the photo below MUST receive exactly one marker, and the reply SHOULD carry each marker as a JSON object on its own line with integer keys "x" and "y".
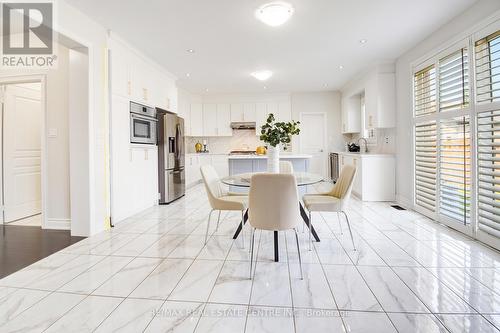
{"x": 303, "y": 179}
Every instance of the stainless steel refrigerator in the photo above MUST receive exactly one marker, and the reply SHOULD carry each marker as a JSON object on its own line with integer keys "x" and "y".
{"x": 171, "y": 156}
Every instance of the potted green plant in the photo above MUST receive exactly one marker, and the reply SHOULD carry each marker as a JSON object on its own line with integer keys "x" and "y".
{"x": 274, "y": 134}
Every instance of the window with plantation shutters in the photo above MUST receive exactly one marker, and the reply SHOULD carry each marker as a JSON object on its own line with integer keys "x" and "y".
{"x": 426, "y": 165}
{"x": 487, "y": 51}
{"x": 488, "y": 69}
{"x": 454, "y": 169}
{"x": 454, "y": 81}
{"x": 425, "y": 91}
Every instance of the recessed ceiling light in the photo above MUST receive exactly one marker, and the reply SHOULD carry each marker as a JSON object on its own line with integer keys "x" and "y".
{"x": 363, "y": 41}
{"x": 262, "y": 75}
{"x": 190, "y": 50}
{"x": 274, "y": 13}
{"x": 188, "y": 74}
{"x": 206, "y": 90}
{"x": 265, "y": 87}
{"x": 341, "y": 67}
{"x": 325, "y": 85}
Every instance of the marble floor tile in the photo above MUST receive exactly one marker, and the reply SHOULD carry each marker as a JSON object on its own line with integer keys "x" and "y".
{"x": 189, "y": 248}
{"x": 111, "y": 245}
{"x": 163, "y": 247}
{"x": 197, "y": 282}
{"x": 271, "y": 285}
{"x": 122, "y": 283}
{"x": 436, "y": 295}
{"x": 42, "y": 314}
{"x": 416, "y": 323}
{"x": 162, "y": 281}
{"x": 349, "y": 289}
{"x": 18, "y": 301}
{"x": 138, "y": 245}
{"x": 318, "y": 320}
{"x": 233, "y": 284}
{"x": 67, "y": 272}
{"x": 390, "y": 291}
{"x": 87, "y": 315}
{"x": 222, "y": 318}
{"x": 466, "y": 323}
{"x": 176, "y": 317}
{"x": 373, "y": 322}
{"x": 330, "y": 251}
{"x": 91, "y": 279}
{"x": 270, "y": 319}
{"x": 132, "y": 315}
{"x": 313, "y": 291}
{"x": 217, "y": 248}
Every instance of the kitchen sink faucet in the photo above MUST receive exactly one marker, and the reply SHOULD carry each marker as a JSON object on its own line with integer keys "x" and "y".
{"x": 366, "y": 144}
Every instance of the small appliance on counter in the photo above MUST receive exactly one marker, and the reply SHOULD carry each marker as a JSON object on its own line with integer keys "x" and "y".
{"x": 205, "y": 146}
{"x": 171, "y": 174}
{"x": 353, "y": 148}
{"x": 198, "y": 147}
{"x": 261, "y": 150}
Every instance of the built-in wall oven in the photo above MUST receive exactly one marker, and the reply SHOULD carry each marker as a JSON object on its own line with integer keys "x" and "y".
{"x": 142, "y": 124}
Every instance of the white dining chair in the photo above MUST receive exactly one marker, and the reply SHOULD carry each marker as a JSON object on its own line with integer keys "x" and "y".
{"x": 219, "y": 199}
{"x": 336, "y": 200}
{"x": 286, "y": 167}
{"x": 273, "y": 204}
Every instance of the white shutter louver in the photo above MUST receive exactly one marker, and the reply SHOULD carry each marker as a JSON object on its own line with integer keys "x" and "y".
{"x": 454, "y": 168}
{"x": 454, "y": 81}
{"x": 425, "y": 165}
{"x": 488, "y": 132}
{"x": 425, "y": 91}
{"x": 488, "y": 69}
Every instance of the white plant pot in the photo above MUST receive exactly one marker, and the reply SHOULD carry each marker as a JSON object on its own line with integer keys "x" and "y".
{"x": 273, "y": 159}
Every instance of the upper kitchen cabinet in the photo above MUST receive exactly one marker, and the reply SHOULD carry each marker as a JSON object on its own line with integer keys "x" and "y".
{"x": 196, "y": 119}
{"x": 210, "y": 119}
{"x": 237, "y": 114}
{"x": 284, "y": 111}
{"x": 260, "y": 116}
{"x": 380, "y": 101}
{"x": 120, "y": 71}
{"x": 224, "y": 120}
{"x": 351, "y": 114}
{"x": 249, "y": 112}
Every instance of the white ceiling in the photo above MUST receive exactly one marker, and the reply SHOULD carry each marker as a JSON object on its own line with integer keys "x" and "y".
{"x": 304, "y": 53}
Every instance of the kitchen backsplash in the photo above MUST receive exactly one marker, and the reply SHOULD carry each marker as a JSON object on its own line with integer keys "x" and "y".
{"x": 241, "y": 140}
{"x": 382, "y": 141}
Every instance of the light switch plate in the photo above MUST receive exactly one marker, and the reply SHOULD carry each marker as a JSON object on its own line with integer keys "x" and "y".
{"x": 52, "y": 133}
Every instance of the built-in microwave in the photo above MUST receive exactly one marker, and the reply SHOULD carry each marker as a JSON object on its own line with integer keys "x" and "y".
{"x": 142, "y": 124}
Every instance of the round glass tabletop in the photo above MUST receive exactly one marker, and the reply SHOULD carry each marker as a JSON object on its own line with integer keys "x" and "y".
{"x": 243, "y": 179}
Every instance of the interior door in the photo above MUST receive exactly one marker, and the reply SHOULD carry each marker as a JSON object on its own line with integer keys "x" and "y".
{"x": 313, "y": 141}
{"x": 22, "y": 119}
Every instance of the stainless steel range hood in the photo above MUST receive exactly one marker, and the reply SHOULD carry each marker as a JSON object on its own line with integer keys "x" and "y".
{"x": 243, "y": 125}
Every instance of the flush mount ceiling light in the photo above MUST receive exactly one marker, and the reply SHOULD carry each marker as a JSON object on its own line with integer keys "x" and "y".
{"x": 262, "y": 75}
{"x": 363, "y": 41}
{"x": 274, "y": 13}
{"x": 190, "y": 50}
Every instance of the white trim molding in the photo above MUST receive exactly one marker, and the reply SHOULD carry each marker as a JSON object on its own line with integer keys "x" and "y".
{"x": 58, "y": 224}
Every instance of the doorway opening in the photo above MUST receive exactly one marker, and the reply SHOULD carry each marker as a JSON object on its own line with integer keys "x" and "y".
{"x": 21, "y": 153}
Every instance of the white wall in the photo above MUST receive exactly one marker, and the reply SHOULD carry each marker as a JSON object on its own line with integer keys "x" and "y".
{"x": 450, "y": 32}
{"x": 327, "y": 102}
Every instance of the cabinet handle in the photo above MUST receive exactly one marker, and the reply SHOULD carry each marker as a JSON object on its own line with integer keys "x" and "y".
{"x": 370, "y": 121}
{"x": 129, "y": 88}
{"x": 342, "y": 160}
{"x": 343, "y": 127}
{"x": 145, "y": 94}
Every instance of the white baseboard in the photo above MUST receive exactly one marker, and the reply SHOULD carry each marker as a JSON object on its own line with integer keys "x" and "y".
{"x": 58, "y": 224}
{"x": 404, "y": 202}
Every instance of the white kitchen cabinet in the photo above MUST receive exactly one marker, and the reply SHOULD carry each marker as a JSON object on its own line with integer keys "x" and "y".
{"x": 224, "y": 120}
{"x": 351, "y": 114}
{"x": 192, "y": 169}
{"x": 209, "y": 119}
{"x": 380, "y": 101}
{"x": 260, "y": 116}
{"x": 375, "y": 175}
{"x": 120, "y": 71}
{"x": 221, "y": 164}
{"x": 284, "y": 111}
{"x": 249, "y": 112}
{"x": 196, "y": 116}
{"x": 237, "y": 114}
{"x": 272, "y": 108}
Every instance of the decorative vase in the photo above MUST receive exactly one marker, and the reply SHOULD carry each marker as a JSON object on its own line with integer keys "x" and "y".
{"x": 273, "y": 159}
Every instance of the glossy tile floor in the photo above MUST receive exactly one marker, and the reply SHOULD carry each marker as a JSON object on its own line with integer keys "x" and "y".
{"x": 153, "y": 273}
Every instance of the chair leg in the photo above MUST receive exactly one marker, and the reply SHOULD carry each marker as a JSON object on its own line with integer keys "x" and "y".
{"x": 208, "y": 224}
{"x": 349, "y": 226}
{"x": 218, "y": 220}
{"x": 252, "y": 242}
{"x": 340, "y": 223}
{"x": 310, "y": 230}
{"x": 242, "y": 234}
{"x": 298, "y": 250}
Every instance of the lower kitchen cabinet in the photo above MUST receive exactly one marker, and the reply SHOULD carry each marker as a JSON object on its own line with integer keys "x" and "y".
{"x": 195, "y": 161}
{"x": 375, "y": 176}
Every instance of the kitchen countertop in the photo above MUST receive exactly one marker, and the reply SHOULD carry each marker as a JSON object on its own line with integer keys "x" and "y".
{"x": 369, "y": 154}
{"x": 282, "y": 156}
